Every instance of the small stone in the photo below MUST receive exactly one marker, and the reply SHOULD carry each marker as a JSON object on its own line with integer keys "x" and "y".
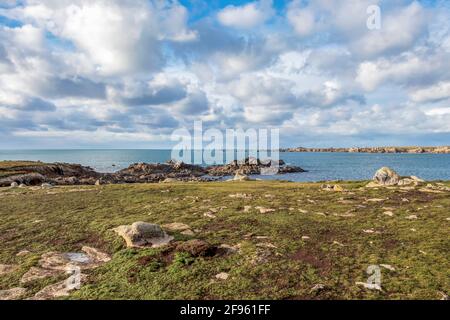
{"x": 209, "y": 215}
{"x": 247, "y": 208}
{"x": 46, "y": 186}
{"x": 222, "y": 276}
{"x": 305, "y": 238}
{"x": 14, "y": 184}
{"x": 12, "y": 294}
{"x": 388, "y": 266}
{"x": 264, "y": 210}
{"x": 302, "y": 211}
{"x": 22, "y": 185}
{"x": 375, "y": 200}
{"x": 338, "y": 243}
{"x": 98, "y": 183}
{"x": 317, "y": 287}
{"x": 176, "y": 227}
{"x": 369, "y": 231}
{"x": 412, "y": 217}
{"x": 389, "y": 213}
{"x": 23, "y": 253}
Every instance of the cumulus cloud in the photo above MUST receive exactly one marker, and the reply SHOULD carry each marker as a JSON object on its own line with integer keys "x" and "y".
{"x": 246, "y": 16}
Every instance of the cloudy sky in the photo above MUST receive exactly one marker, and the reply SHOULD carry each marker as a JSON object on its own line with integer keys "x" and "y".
{"x": 127, "y": 73}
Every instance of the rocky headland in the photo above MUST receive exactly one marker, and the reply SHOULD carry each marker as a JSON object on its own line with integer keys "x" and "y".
{"x": 27, "y": 173}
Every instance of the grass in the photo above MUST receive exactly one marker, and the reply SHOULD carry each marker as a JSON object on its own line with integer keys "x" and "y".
{"x": 280, "y": 265}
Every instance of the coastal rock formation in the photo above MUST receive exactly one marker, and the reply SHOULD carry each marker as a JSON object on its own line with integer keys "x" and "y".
{"x": 44, "y": 174}
{"x": 251, "y": 166}
{"x": 142, "y": 234}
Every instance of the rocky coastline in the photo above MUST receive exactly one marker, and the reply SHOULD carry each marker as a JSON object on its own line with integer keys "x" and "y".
{"x": 412, "y": 150}
{"x": 23, "y": 173}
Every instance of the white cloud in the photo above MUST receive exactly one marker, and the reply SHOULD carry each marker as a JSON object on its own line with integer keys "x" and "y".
{"x": 247, "y": 16}
{"x": 437, "y": 92}
{"x": 301, "y": 19}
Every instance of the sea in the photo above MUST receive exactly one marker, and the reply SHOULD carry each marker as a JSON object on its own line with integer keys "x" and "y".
{"x": 320, "y": 166}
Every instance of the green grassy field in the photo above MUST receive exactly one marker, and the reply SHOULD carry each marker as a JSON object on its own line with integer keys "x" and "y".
{"x": 312, "y": 237}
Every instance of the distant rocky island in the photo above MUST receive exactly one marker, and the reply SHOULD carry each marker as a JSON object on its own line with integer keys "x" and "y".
{"x": 435, "y": 150}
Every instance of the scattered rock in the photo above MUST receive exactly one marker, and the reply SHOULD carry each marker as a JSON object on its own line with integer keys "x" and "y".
{"x": 22, "y": 253}
{"x": 318, "y": 287}
{"x": 12, "y": 294}
{"x": 142, "y": 234}
{"x": 302, "y": 211}
{"x": 241, "y": 196}
{"x": 58, "y": 290}
{"x": 22, "y": 185}
{"x": 222, "y": 276}
{"x": 209, "y": 215}
{"x": 188, "y": 232}
{"x": 370, "y": 231}
{"x": 412, "y": 217}
{"x": 305, "y": 238}
{"x": 96, "y": 257}
{"x": 386, "y": 177}
{"x": 38, "y": 273}
{"x": 98, "y": 183}
{"x": 7, "y": 268}
{"x": 336, "y": 188}
{"x": 264, "y": 210}
{"x": 176, "y": 227}
{"x": 197, "y": 248}
{"x": 14, "y": 184}
{"x": 389, "y": 213}
{"x": 247, "y": 208}
{"x": 375, "y": 200}
{"x": 388, "y": 266}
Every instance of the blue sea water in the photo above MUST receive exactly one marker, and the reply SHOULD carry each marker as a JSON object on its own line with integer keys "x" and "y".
{"x": 320, "y": 166}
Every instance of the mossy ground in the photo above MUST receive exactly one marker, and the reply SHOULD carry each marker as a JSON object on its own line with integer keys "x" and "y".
{"x": 274, "y": 261}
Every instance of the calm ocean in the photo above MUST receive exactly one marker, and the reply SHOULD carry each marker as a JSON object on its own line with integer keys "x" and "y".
{"x": 321, "y": 166}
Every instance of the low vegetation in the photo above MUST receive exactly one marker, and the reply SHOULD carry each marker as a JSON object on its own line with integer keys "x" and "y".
{"x": 286, "y": 240}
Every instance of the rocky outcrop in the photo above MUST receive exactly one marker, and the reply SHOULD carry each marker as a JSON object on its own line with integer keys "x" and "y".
{"x": 386, "y": 176}
{"x": 445, "y": 149}
{"x": 38, "y": 173}
{"x": 142, "y": 234}
{"x": 251, "y": 166}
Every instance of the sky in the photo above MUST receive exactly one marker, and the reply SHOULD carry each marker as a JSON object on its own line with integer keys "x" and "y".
{"x": 127, "y": 73}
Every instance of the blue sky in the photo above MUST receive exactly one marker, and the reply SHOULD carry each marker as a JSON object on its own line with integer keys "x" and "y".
{"x": 124, "y": 74}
